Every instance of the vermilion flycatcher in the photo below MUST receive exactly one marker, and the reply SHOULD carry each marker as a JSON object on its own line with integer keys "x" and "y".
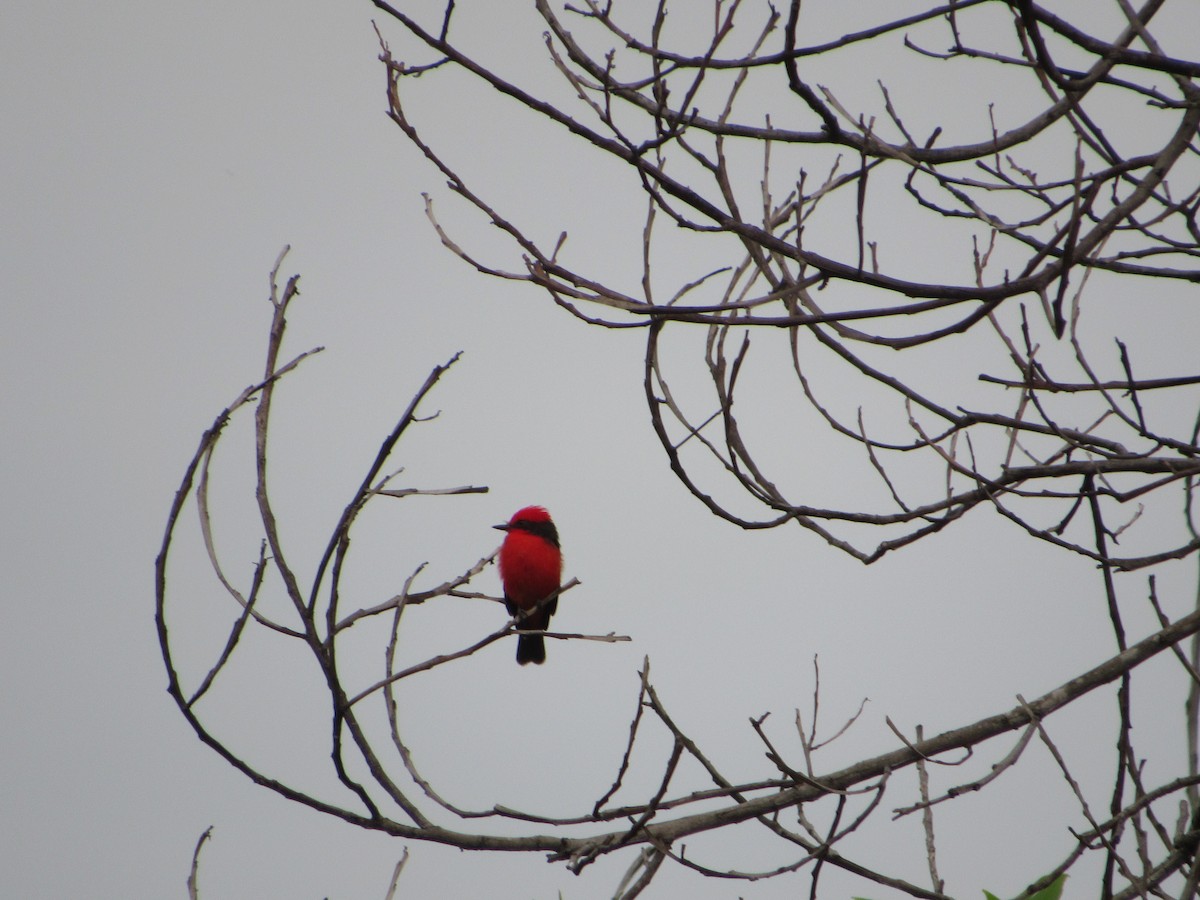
{"x": 530, "y": 570}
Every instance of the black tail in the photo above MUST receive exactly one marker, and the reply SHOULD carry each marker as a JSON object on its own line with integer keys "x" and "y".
{"x": 531, "y": 648}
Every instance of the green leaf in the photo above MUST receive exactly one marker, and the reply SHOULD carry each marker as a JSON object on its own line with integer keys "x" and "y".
{"x": 1052, "y": 891}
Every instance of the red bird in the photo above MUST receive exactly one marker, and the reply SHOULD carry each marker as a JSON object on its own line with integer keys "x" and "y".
{"x": 530, "y": 570}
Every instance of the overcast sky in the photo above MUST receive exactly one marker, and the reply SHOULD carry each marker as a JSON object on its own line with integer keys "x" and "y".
{"x": 155, "y": 158}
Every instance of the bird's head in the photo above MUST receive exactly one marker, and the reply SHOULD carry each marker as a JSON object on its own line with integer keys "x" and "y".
{"x": 534, "y": 520}
{"x": 529, "y": 514}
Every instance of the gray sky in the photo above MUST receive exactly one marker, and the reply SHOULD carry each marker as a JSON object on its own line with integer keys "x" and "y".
{"x": 155, "y": 158}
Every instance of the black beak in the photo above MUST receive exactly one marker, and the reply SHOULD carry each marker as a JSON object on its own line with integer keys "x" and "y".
{"x": 501, "y": 527}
